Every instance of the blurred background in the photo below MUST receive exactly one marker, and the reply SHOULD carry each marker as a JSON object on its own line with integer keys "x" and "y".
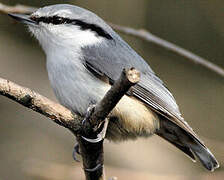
{"x": 32, "y": 147}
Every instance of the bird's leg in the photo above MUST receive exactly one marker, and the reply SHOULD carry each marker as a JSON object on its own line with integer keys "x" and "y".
{"x": 75, "y": 152}
{"x": 101, "y": 128}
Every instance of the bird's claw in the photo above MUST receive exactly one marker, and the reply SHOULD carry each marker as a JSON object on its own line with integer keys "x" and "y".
{"x": 89, "y": 112}
{"x": 100, "y": 136}
{"x": 75, "y": 152}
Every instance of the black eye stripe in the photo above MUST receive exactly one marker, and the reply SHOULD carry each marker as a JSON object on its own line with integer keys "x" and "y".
{"x": 51, "y": 20}
{"x": 56, "y": 20}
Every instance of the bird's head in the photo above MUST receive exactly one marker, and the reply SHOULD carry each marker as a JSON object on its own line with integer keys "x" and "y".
{"x": 65, "y": 26}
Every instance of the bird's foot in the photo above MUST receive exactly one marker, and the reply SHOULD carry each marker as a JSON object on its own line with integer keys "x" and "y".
{"x": 101, "y": 135}
{"x": 76, "y": 151}
{"x": 89, "y": 112}
{"x": 103, "y": 125}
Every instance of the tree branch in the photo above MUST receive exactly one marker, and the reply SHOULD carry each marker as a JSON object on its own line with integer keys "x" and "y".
{"x": 141, "y": 33}
{"x": 16, "y": 9}
{"x": 41, "y": 104}
{"x": 92, "y": 153}
{"x": 147, "y": 36}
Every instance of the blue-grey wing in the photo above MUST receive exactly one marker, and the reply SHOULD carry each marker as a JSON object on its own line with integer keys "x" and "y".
{"x": 109, "y": 58}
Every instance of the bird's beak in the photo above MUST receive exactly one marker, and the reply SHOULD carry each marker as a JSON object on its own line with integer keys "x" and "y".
{"x": 23, "y": 18}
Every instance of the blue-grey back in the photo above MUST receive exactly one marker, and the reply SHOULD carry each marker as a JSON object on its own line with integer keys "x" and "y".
{"x": 111, "y": 56}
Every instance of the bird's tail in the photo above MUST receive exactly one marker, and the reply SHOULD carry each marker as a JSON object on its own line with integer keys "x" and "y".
{"x": 205, "y": 156}
{"x": 187, "y": 143}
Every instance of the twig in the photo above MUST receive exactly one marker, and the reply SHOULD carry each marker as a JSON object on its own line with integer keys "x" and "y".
{"x": 127, "y": 79}
{"x": 147, "y": 36}
{"x": 41, "y": 104}
{"x": 92, "y": 153}
{"x": 141, "y": 33}
{"x": 16, "y": 9}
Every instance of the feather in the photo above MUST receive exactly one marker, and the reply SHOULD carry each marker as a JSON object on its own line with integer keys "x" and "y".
{"x": 108, "y": 58}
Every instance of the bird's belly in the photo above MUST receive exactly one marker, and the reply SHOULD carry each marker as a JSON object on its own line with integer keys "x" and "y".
{"x": 131, "y": 119}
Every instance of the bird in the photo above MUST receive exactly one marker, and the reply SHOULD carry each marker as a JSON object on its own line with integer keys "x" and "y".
{"x": 85, "y": 56}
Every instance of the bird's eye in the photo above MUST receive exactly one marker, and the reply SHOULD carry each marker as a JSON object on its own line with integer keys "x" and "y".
{"x": 34, "y": 18}
{"x": 56, "y": 20}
